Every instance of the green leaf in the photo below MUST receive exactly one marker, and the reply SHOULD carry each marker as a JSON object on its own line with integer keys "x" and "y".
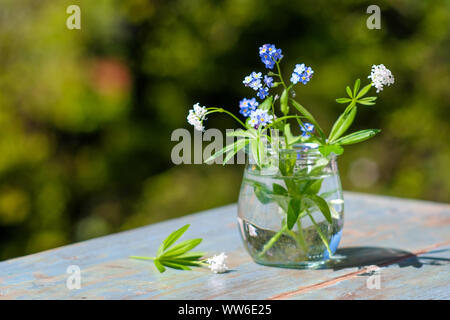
{"x": 327, "y": 149}
{"x": 343, "y": 122}
{"x": 159, "y": 266}
{"x": 238, "y": 146}
{"x": 191, "y": 255}
{"x": 182, "y": 247}
{"x": 255, "y": 151}
{"x": 366, "y": 103}
{"x": 334, "y": 213}
{"x": 247, "y": 123}
{"x": 291, "y": 139}
{"x": 265, "y": 195}
{"x": 284, "y": 102}
{"x": 175, "y": 265}
{"x": 262, "y": 194}
{"x": 343, "y": 100}
{"x": 318, "y": 167}
{"x": 221, "y": 151}
{"x": 183, "y": 262}
{"x": 262, "y": 151}
{"x": 250, "y": 133}
{"x": 224, "y": 150}
{"x": 278, "y": 125}
{"x": 371, "y": 99}
{"x": 356, "y": 87}
{"x": 349, "y": 92}
{"x": 293, "y": 212}
{"x": 287, "y": 163}
{"x": 363, "y": 91}
{"x": 266, "y": 104}
{"x": 308, "y": 116}
{"x": 287, "y": 132}
{"x": 358, "y": 136}
{"x": 314, "y": 187}
{"x": 174, "y": 236}
{"x": 328, "y": 193}
{"x": 160, "y": 249}
{"x": 279, "y": 189}
{"x": 323, "y": 206}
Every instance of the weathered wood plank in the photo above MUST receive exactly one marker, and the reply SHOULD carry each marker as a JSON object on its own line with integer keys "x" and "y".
{"x": 425, "y": 276}
{"x": 378, "y": 230}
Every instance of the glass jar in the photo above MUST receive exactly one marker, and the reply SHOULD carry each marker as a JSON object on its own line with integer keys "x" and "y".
{"x": 291, "y": 212}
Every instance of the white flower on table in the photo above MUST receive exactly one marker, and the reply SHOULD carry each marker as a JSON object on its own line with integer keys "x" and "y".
{"x": 217, "y": 263}
{"x": 381, "y": 76}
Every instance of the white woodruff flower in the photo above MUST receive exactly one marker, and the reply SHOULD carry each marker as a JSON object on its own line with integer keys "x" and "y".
{"x": 199, "y": 111}
{"x": 381, "y": 76}
{"x": 196, "y": 117}
{"x": 217, "y": 263}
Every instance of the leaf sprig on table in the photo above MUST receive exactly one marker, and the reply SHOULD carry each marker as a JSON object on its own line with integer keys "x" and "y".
{"x": 177, "y": 256}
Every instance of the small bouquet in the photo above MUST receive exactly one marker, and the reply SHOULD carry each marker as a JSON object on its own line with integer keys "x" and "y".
{"x": 290, "y": 208}
{"x": 264, "y": 115}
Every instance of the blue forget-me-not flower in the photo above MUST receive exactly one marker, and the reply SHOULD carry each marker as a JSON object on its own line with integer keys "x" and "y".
{"x": 260, "y": 118}
{"x": 247, "y": 106}
{"x": 269, "y": 55}
{"x": 306, "y": 129}
{"x": 301, "y": 74}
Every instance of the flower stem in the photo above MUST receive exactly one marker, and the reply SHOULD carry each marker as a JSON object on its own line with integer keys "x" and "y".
{"x": 213, "y": 110}
{"x": 280, "y": 76}
{"x": 203, "y": 263}
{"x": 142, "y": 258}
{"x": 283, "y": 118}
{"x": 321, "y": 235}
{"x": 272, "y": 240}
{"x": 300, "y": 236}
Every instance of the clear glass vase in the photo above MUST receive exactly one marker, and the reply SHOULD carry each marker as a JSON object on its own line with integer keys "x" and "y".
{"x": 291, "y": 211}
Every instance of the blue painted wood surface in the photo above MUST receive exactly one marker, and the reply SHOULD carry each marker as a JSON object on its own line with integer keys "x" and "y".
{"x": 409, "y": 240}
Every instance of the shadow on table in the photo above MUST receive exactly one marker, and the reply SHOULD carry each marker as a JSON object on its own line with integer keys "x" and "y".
{"x": 365, "y": 256}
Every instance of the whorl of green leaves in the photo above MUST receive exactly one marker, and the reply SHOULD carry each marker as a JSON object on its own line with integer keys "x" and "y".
{"x": 176, "y": 256}
{"x": 345, "y": 120}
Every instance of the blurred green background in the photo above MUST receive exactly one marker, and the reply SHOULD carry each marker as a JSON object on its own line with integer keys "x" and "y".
{"x": 86, "y": 115}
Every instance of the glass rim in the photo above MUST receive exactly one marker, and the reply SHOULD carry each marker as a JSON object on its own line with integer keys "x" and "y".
{"x": 305, "y": 151}
{"x": 303, "y": 146}
{"x": 302, "y": 150}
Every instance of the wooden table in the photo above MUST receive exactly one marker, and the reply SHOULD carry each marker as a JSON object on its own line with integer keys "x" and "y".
{"x": 409, "y": 240}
